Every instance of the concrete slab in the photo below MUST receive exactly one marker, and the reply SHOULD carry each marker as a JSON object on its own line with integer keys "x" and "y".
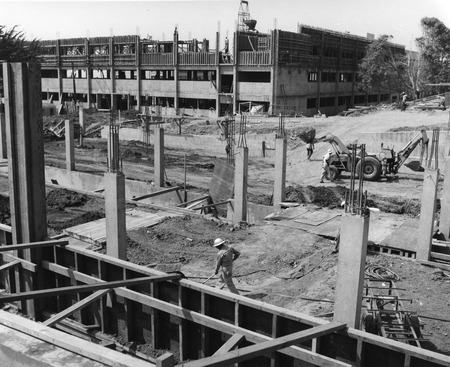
{"x": 324, "y": 222}
{"x": 315, "y": 218}
{"x": 21, "y": 350}
{"x": 404, "y": 237}
{"x": 95, "y": 232}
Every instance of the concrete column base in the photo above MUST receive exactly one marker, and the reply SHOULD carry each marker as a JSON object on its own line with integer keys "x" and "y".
{"x": 427, "y": 211}
{"x": 159, "y": 157}
{"x": 279, "y": 190}
{"x": 115, "y": 206}
{"x": 351, "y": 266}
{"x": 240, "y": 185}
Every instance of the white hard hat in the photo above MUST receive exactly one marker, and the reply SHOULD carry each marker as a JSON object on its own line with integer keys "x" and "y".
{"x": 218, "y": 242}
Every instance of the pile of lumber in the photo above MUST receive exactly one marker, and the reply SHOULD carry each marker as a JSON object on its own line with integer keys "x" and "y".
{"x": 436, "y": 102}
{"x": 360, "y": 109}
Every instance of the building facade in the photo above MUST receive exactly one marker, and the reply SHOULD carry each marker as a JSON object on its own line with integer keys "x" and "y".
{"x": 299, "y": 73}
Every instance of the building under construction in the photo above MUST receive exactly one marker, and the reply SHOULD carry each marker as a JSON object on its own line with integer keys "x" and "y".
{"x": 87, "y": 308}
{"x": 297, "y": 73}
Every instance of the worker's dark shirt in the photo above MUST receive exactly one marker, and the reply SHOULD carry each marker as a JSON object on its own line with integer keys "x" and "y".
{"x": 226, "y": 256}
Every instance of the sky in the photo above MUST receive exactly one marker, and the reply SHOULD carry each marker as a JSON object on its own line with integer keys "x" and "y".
{"x": 202, "y": 19}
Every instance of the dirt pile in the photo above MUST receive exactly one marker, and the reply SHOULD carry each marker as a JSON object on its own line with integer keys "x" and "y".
{"x": 62, "y": 198}
{"x": 177, "y": 241}
{"x": 5, "y": 214}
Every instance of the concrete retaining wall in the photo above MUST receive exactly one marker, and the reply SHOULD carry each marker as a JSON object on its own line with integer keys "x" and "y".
{"x": 208, "y": 143}
{"x": 90, "y": 182}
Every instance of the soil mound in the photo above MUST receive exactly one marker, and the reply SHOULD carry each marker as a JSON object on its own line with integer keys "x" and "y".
{"x": 62, "y": 198}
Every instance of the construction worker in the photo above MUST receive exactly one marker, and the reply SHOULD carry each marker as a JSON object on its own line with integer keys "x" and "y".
{"x": 225, "y": 258}
{"x": 326, "y": 166}
{"x": 424, "y": 143}
{"x": 404, "y": 97}
{"x": 309, "y": 150}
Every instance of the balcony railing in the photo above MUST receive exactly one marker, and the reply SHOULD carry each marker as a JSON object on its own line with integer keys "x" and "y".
{"x": 254, "y": 58}
{"x": 157, "y": 59}
{"x": 76, "y": 60}
{"x": 127, "y": 60}
{"x": 197, "y": 58}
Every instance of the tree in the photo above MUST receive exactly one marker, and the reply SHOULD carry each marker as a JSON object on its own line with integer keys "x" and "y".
{"x": 15, "y": 48}
{"x": 434, "y": 47}
{"x": 383, "y": 68}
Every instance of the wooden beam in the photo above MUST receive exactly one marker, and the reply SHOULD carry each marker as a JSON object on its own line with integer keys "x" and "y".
{"x": 157, "y": 193}
{"x": 84, "y": 288}
{"x": 210, "y": 205}
{"x": 166, "y": 360}
{"x": 439, "y": 256}
{"x": 71, "y": 343}
{"x": 6, "y": 228}
{"x": 270, "y": 346}
{"x": 200, "y": 199}
{"x": 198, "y": 318}
{"x": 190, "y": 206}
{"x": 27, "y": 265}
{"x": 9, "y": 265}
{"x": 230, "y": 344}
{"x": 32, "y": 245}
{"x": 77, "y": 306}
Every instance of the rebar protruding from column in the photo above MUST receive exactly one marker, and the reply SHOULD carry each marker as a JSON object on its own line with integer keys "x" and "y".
{"x": 356, "y": 200}
{"x": 228, "y": 128}
{"x": 242, "y": 139}
{"x": 113, "y": 145}
{"x": 281, "y": 130}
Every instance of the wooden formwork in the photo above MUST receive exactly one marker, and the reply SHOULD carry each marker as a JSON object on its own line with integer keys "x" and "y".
{"x": 194, "y": 321}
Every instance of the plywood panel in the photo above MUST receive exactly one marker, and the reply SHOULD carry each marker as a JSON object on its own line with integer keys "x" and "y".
{"x": 221, "y": 187}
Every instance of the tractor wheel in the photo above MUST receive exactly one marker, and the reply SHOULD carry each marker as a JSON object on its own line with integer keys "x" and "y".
{"x": 372, "y": 169}
{"x": 370, "y": 324}
{"x": 334, "y": 173}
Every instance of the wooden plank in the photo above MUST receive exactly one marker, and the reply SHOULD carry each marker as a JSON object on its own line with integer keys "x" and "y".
{"x": 192, "y": 201}
{"x": 6, "y": 228}
{"x": 212, "y": 205}
{"x": 84, "y": 288}
{"x": 158, "y": 305}
{"x": 32, "y": 245}
{"x": 222, "y": 182}
{"x": 196, "y": 203}
{"x": 439, "y": 256}
{"x": 71, "y": 343}
{"x": 77, "y": 306}
{"x": 270, "y": 346}
{"x": 166, "y": 360}
{"x": 28, "y": 265}
{"x": 230, "y": 344}
{"x": 157, "y": 193}
{"x": 9, "y": 265}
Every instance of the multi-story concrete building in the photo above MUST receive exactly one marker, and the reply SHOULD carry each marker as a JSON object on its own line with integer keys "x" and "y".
{"x": 297, "y": 72}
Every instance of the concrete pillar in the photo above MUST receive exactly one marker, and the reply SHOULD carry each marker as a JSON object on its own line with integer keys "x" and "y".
{"x": 115, "y": 206}
{"x": 70, "y": 145}
{"x": 81, "y": 115}
{"x": 159, "y": 157}
{"x": 350, "y": 272}
{"x": 279, "y": 189}
{"x": 26, "y": 175}
{"x": 427, "y": 210}
{"x": 240, "y": 185}
{"x": 444, "y": 219}
{"x": 3, "y": 145}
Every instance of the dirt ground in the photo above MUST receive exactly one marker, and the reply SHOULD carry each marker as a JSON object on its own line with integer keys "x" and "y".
{"x": 285, "y": 267}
